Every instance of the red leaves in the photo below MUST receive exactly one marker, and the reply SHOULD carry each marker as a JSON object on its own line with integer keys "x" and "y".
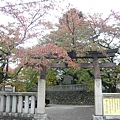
{"x": 27, "y": 22}
{"x": 43, "y": 55}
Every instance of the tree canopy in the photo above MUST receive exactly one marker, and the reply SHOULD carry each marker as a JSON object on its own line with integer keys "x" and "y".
{"x": 74, "y": 32}
{"x": 27, "y": 24}
{"x": 83, "y": 33}
{"x": 78, "y": 33}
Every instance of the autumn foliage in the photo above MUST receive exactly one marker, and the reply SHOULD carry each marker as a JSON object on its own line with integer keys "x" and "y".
{"x": 25, "y": 21}
{"x": 75, "y": 31}
{"x": 85, "y": 32}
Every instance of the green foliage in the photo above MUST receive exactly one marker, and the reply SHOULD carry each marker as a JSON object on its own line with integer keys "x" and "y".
{"x": 51, "y": 77}
{"x": 20, "y": 86}
{"x": 110, "y": 78}
{"x": 27, "y": 80}
{"x": 81, "y": 76}
{"x": 84, "y": 77}
{"x": 31, "y": 78}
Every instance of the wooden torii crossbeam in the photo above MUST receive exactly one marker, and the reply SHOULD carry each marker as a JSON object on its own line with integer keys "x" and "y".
{"x": 82, "y": 65}
{"x": 90, "y": 54}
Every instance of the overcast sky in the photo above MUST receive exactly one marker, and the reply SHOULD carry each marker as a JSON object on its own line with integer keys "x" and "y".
{"x": 86, "y": 6}
{"x": 102, "y": 6}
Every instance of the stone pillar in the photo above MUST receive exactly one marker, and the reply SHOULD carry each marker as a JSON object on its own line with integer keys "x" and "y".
{"x": 3, "y": 88}
{"x": 14, "y": 104}
{"x": 41, "y": 96}
{"x": 41, "y": 115}
{"x": 20, "y": 104}
{"x": 97, "y": 91}
{"x": 32, "y": 105}
{"x": 8, "y": 103}
{"x": 2, "y": 103}
{"x": 26, "y": 104}
{"x": 13, "y": 89}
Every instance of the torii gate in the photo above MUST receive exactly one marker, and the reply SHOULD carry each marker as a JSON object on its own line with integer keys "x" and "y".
{"x": 41, "y": 115}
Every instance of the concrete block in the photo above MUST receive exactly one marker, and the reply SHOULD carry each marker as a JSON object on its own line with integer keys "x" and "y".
{"x": 40, "y": 117}
{"x": 98, "y": 117}
{"x": 112, "y": 117}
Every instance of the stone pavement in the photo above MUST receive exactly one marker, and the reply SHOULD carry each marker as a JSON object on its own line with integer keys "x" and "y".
{"x": 64, "y": 112}
{"x": 69, "y": 112}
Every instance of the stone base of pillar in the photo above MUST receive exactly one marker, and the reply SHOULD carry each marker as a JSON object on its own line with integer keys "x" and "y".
{"x": 40, "y": 117}
{"x": 98, "y": 118}
{"x": 117, "y": 117}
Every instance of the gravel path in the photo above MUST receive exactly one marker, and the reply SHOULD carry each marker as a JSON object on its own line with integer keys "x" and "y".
{"x": 69, "y": 112}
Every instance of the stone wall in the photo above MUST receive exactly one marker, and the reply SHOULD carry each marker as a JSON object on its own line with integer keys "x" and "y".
{"x": 71, "y": 97}
{"x": 75, "y": 87}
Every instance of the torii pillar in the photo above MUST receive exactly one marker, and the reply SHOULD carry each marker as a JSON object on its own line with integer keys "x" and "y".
{"x": 97, "y": 91}
{"x": 41, "y": 115}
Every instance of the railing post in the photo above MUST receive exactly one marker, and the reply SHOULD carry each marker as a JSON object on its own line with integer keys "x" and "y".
{"x": 8, "y": 103}
{"x": 14, "y": 104}
{"x": 32, "y": 104}
{"x": 26, "y": 104}
{"x": 2, "y": 103}
{"x": 20, "y": 104}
